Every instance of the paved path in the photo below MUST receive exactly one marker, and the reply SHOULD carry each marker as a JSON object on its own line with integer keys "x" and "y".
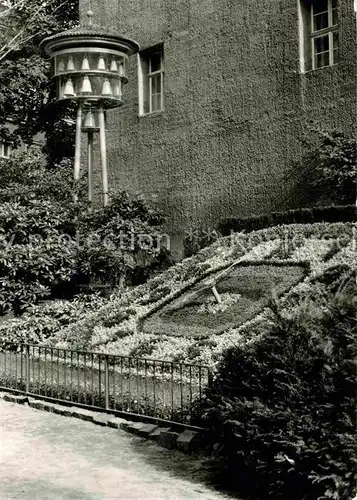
{"x": 48, "y": 456}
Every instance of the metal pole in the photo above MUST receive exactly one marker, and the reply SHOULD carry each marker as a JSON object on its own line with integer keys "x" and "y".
{"x": 106, "y": 381}
{"x": 90, "y": 166}
{"x": 77, "y": 154}
{"x": 103, "y": 155}
{"x": 27, "y": 347}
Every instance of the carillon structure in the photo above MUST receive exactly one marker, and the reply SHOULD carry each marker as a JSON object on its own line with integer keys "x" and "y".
{"x": 90, "y": 66}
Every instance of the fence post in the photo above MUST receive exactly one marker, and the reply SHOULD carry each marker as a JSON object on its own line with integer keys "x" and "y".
{"x": 27, "y": 368}
{"x": 106, "y": 381}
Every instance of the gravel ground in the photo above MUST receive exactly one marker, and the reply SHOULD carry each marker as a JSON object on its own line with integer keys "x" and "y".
{"x": 48, "y": 456}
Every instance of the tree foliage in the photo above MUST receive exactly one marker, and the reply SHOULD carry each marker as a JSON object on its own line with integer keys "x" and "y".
{"x": 26, "y": 89}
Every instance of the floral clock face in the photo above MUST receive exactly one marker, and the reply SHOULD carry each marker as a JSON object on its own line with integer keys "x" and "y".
{"x": 239, "y": 295}
{"x": 210, "y": 305}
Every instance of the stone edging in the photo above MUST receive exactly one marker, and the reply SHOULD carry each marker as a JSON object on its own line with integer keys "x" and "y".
{"x": 187, "y": 441}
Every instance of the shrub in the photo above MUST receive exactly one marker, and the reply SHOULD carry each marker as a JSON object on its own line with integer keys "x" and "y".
{"x": 36, "y": 211}
{"x": 198, "y": 239}
{"x": 121, "y": 240}
{"x": 41, "y": 323}
{"x": 282, "y": 411}
{"x": 29, "y": 271}
{"x": 334, "y": 167}
{"x": 344, "y": 213}
{"x": 148, "y": 405}
{"x": 50, "y": 245}
{"x": 25, "y": 177}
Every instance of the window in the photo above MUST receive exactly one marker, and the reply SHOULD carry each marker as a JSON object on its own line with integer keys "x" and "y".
{"x": 324, "y": 33}
{"x": 151, "y": 80}
{"x": 5, "y": 150}
{"x": 319, "y": 34}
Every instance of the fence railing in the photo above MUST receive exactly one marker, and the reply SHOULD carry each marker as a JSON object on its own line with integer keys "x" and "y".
{"x": 152, "y": 388}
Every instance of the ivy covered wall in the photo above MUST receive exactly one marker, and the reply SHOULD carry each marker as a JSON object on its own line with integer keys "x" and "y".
{"x": 237, "y": 108}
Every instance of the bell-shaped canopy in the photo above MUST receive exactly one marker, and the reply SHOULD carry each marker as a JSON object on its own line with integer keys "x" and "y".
{"x": 91, "y": 36}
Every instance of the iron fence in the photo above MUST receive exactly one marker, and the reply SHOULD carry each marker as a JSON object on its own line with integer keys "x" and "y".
{"x": 134, "y": 386}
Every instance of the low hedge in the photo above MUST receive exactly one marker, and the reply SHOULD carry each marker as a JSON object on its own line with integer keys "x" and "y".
{"x": 282, "y": 412}
{"x": 342, "y": 213}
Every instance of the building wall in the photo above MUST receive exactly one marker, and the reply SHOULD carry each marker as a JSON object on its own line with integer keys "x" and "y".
{"x": 237, "y": 107}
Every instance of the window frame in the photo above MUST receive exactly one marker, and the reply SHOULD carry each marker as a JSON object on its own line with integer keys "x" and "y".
{"x": 151, "y": 74}
{"x": 329, "y": 31}
{"x": 146, "y": 76}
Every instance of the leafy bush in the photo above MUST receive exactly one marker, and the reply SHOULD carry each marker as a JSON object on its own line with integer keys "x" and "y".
{"x": 33, "y": 256}
{"x": 147, "y": 405}
{"x": 30, "y": 271}
{"x": 121, "y": 240}
{"x": 51, "y": 245}
{"x": 40, "y": 323}
{"x": 282, "y": 411}
{"x": 25, "y": 177}
{"x": 198, "y": 239}
{"x": 326, "y": 175}
{"x": 334, "y": 167}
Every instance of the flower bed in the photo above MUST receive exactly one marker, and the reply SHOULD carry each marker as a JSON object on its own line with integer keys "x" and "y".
{"x": 113, "y": 325}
